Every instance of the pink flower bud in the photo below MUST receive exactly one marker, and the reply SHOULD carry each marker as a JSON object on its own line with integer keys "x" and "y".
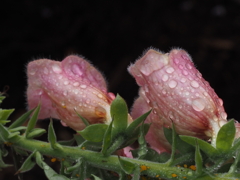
{"x": 68, "y": 86}
{"x": 177, "y": 93}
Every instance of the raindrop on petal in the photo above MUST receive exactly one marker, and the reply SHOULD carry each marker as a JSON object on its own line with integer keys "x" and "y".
{"x": 170, "y": 70}
{"x": 172, "y": 84}
{"x": 45, "y": 70}
{"x": 194, "y": 84}
{"x": 198, "y": 104}
{"x": 165, "y": 77}
{"x": 56, "y": 68}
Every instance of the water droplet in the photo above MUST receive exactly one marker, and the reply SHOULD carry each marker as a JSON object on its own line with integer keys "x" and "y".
{"x": 187, "y": 93}
{"x": 65, "y": 82}
{"x": 76, "y": 84}
{"x": 199, "y": 74}
{"x": 176, "y": 60}
{"x": 165, "y": 77}
{"x": 180, "y": 66}
{"x": 220, "y": 101}
{"x": 183, "y": 80}
{"x": 205, "y": 93}
{"x": 65, "y": 93}
{"x": 172, "y": 84}
{"x": 185, "y": 72}
{"x": 146, "y": 88}
{"x": 198, "y": 104}
{"x": 88, "y": 101}
{"x": 39, "y": 92}
{"x": 45, "y": 70}
{"x": 224, "y": 115}
{"x": 180, "y": 106}
{"x": 75, "y": 91}
{"x": 83, "y": 86}
{"x": 100, "y": 95}
{"x": 189, "y": 66}
{"x": 170, "y": 70}
{"x": 194, "y": 84}
{"x": 32, "y": 71}
{"x": 164, "y": 91}
{"x": 60, "y": 77}
{"x": 56, "y": 68}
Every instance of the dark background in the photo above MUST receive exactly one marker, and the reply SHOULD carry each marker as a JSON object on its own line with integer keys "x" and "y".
{"x": 111, "y": 34}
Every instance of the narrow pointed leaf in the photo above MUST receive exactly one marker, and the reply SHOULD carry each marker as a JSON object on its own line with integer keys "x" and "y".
{"x": 198, "y": 160}
{"x": 32, "y": 121}
{"x": 5, "y": 113}
{"x": 131, "y": 128}
{"x": 94, "y": 133}
{"x": 226, "y": 136}
{"x": 39, "y": 159}
{"x": 85, "y": 121}
{"x": 127, "y": 166}
{"x": 119, "y": 112}
{"x": 20, "y": 128}
{"x": 28, "y": 164}
{"x": 67, "y": 143}
{"x": 21, "y": 119}
{"x": 4, "y": 133}
{"x": 95, "y": 177}
{"x": 107, "y": 138}
{"x": 52, "y": 139}
{"x": 142, "y": 151}
{"x": 36, "y": 133}
{"x": 4, "y": 121}
{"x": 207, "y": 148}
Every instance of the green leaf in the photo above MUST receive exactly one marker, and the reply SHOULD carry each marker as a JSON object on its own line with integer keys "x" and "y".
{"x": 28, "y": 164}
{"x": 127, "y": 166}
{"x": 21, "y": 120}
{"x": 142, "y": 151}
{"x": 132, "y": 127}
{"x": 95, "y": 177}
{"x": 94, "y": 133}
{"x": 5, "y": 113}
{"x": 225, "y": 137}
{"x": 198, "y": 160}
{"x": 36, "y": 133}
{"x": 119, "y": 112}
{"x": 39, "y": 159}
{"x": 4, "y": 133}
{"x": 2, "y": 164}
{"x": 52, "y": 139}
{"x": 4, "y": 121}
{"x": 107, "y": 139}
{"x": 67, "y": 143}
{"x": 20, "y": 128}
{"x": 1, "y": 98}
{"x": 207, "y": 148}
{"x": 32, "y": 121}
{"x": 85, "y": 121}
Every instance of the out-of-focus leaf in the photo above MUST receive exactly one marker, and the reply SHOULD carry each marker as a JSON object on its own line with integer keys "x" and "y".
{"x": 119, "y": 112}
{"x": 94, "y": 133}
{"x": 32, "y": 121}
{"x": 96, "y": 178}
{"x": 5, "y": 113}
{"x": 36, "y": 133}
{"x": 20, "y": 128}
{"x": 21, "y": 120}
{"x": 2, "y": 164}
{"x": 28, "y": 164}
{"x": 198, "y": 160}
{"x": 4, "y": 133}
{"x": 225, "y": 137}
{"x": 4, "y": 121}
{"x": 67, "y": 143}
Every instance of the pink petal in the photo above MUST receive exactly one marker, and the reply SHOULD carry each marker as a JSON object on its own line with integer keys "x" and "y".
{"x": 63, "y": 87}
{"x": 176, "y": 91}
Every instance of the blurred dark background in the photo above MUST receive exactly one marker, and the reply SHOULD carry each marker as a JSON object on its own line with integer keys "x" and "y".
{"x": 112, "y": 34}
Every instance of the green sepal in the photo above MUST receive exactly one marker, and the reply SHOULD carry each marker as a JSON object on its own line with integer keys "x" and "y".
{"x": 94, "y": 133}
{"x": 207, "y": 148}
{"x": 28, "y": 163}
{"x": 21, "y": 120}
{"x": 5, "y": 113}
{"x": 32, "y": 121}
{"x": 52, "y": 139}
{"x": 225, "y": 137}
{"x": 85, "y": 121}
{"x": 198, "y": 160}
{"x": 107, "y": 139}
{"x": 119, "y": 112}
{"x": 36, "y": 133}
{"x": 127, "y": 166}
{"x": 133, "y": 126}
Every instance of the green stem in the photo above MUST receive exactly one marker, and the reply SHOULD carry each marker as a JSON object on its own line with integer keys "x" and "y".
{"x": 111, "y": 163}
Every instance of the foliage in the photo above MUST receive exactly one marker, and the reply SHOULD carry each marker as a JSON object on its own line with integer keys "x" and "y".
{"x": 98, "y": 155}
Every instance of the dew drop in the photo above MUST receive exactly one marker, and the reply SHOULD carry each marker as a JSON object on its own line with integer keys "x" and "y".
{"x": 60, "y": 77}
{"x": 65, "y": 82}
{"x": 45, "y": 70}
{"x": 164, "y": 91}
{"x": 185, "y": 72}
{"x": 176, "y": 60}
{"x": 56, "y": 68}
{"x": 165, "y": 77}
{"x": 32, "y": 71}
{"x": 83, "y": 86}
{"x": 224, "y": 115}
{"x": 189, "y": 66}
{"x": 180, "y": 66}
{"x": 220, "y": 101}
{"x": 183, "y": 80}
{"x": 205, "y": 93}
{"x": 100, "y": 95}
{"x": 198, "y": 105}
{"x": 76, "y": 84}
{"x": 194, "y": 84}
{"x": 187, "y": 93}
{"x": 170, "y": 70}
{"x": 172, "y": 84}
{"x": 88, "y": 101}
{"x": 65, "y": 93}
